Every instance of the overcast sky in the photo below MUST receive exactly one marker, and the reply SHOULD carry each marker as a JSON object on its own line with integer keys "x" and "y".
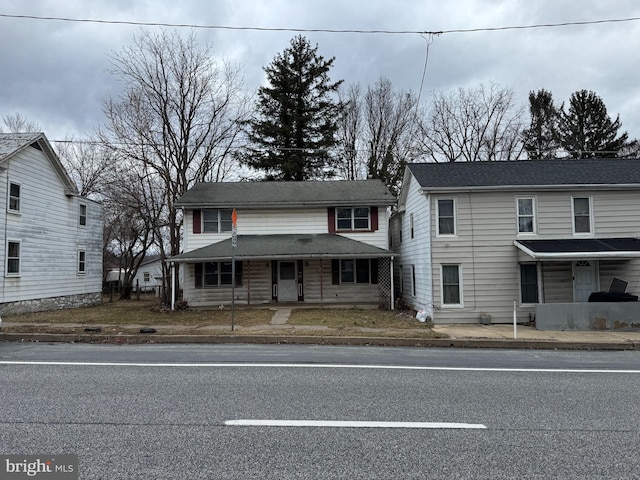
{"x": 54, "y": 73}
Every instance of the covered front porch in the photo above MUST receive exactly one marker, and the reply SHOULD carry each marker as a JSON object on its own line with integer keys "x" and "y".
{"x": 287, "y": 270}
{"x": 582, "y": 284}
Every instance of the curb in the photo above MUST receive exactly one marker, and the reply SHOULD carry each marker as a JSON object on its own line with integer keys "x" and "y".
{"x": 316, "y": 340}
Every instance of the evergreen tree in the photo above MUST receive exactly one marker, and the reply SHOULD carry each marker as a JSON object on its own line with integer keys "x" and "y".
{"x": 296, "y": 119}
{"x": 587, "y": 131}
{"x": 541, "y": 138}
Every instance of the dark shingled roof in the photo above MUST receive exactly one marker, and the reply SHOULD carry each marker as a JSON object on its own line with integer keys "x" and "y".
{"x": 286, "y": 194}
{"x": 250, "y": 247}
{"x": 541, "y": 173}
{"x": 582, "y": 248}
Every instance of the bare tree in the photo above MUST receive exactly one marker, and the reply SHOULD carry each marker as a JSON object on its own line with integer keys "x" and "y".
{"x": 481, "y": 124}
{"x": 89, "y": 164}
{"x": 16, "y": 123}
{"x": 178, "y": 116}
{"x": 377, "y": 132}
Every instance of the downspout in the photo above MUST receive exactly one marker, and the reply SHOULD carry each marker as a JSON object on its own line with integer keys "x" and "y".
{"x": 173, "y": 286}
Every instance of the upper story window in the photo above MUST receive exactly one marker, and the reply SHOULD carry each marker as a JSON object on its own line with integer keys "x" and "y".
{"x": 446, "y": 216}
{"x": 582, "y": 219}
{"x": 14, "y": 197}
{"x": 216, "y": 221}
{"x": 82, "y": 217}
{"x": 411, "y": 225}
{"x": 13, "y": 258}
{"x": 356, "y": 218}
{"x": 526, "y": 215}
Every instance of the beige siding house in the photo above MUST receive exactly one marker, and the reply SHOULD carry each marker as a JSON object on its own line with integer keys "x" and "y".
{"x": 520, "y": 233}
{"x": 52, "y": 246}
{"x": 297, "y": 242}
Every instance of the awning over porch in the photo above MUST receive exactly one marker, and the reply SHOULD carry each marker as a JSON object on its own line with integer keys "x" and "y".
{"x": 581, "y": 248}
{"x": 288, "y": 246}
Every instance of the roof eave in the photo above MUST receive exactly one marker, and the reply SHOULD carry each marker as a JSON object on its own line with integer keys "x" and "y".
{"x": 486, "y": 188}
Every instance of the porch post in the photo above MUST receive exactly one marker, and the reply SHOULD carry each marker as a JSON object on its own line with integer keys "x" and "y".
{"x": 391, "y": 289}
{"x": 173, "y": 286}
{"x": 540, "y": 282}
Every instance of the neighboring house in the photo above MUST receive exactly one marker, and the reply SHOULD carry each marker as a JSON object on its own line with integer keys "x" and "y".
{"x": 311, "y": 242}
{"x": 52, "y": 247}
{"x": 149, "y": 275}
{"x": 474, "y": 237}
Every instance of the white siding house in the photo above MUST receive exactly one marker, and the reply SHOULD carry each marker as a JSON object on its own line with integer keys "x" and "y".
{"x": 52, "y": 246}
{"x": 536, "y": 232}
{"x": 312, "y": 242}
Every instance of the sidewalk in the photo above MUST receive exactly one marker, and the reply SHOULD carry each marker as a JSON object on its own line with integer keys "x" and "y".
{"x": 279, "y": 331}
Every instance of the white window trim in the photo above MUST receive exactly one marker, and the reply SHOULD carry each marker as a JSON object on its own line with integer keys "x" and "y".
{"x": 9, "y": 209}
{"x": 534, "y": 208}
{"x": 6, "y": 258}
{"x": 86, "y": 215}
{"x": 520, "y": 302}
{"x": 411, "y": 226}
{"x": 81, "y": 249}
{"x": 353, "y": 220}
{"x": 591, "y": 231}
{"x": 460, "y": 289}
{"x": 219, "y": 222}
{"x": 455, "y": 217}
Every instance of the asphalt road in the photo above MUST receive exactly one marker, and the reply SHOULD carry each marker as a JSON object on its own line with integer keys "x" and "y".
{"x": 167, "y": 412}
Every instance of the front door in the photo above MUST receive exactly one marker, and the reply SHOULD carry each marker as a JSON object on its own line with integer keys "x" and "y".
{"x": 585, "y": 279}
{"x": 287, "y": 281}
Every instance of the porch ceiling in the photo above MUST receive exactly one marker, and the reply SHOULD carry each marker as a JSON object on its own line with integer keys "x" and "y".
{"x": 581, "y": 248}
{"x": 289, "y": 246}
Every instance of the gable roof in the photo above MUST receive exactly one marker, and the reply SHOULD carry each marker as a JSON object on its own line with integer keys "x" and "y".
{"x": 286, "y": 194}
{"x": 12, "y": 144}
{"x": 557, "y": 173}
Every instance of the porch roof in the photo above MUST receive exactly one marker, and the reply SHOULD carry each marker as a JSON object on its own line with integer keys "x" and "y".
{"x": 287, "y": 246}
{"x": 581, "y": 248}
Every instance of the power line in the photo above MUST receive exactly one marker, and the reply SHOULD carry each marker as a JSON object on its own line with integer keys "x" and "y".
{"x": 319, "y": 30}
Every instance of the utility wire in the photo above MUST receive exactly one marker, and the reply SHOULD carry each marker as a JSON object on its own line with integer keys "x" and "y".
{"x": 318, "y": 30}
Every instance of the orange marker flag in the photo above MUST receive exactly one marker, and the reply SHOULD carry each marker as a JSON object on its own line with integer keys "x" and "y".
{"x": 234, "y": 218}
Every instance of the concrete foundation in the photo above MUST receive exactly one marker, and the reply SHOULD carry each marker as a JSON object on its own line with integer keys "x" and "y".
{"x": 621, "y": 316}
{"x": 51, "y": 303}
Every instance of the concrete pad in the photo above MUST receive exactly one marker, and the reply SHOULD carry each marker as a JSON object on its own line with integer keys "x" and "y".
{"x": 281, "y": 317}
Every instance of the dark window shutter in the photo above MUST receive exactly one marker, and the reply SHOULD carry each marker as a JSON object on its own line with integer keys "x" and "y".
{"x": 335, "y": 271}
{"x": 373, "y": 211}
{"x": 238, "y": 273}
{"x": 197, "y": 222}
{"x": 332, "y": 219}
{"x": 198, "y": 273}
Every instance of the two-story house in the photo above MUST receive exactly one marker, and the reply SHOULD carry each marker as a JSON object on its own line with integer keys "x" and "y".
{"x": 52, "y": 237}
{"x": 474, "y": 239}
{"x": 312, "y": 242}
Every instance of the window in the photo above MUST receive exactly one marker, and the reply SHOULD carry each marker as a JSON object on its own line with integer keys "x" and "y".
{"x": 528, "y": 283}
{"x": 361, "y": 270}
{"x": 146, "y": 277}
{"x": 14, "y": 197}
{"x": 526, "y": 215}
{"x": 13, "y": 258}
{"x": 581, "y": 215}
{"x": 216, "y": 274}
{"x": 411, "y": 224}
{"x": 216, "y": 221}
{"x": 413, "y": 280}
{"x": 352, "y": 218}
{"x": 446, "y": 217}
{"x": 82, "y": 220}
{"x": 451, "y": 285}
{"x": 82, "y": 261}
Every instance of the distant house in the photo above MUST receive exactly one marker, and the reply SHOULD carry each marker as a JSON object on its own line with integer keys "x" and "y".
{"x": 52, "y": 248}
{"x": 149, "y": 275}
{"x": 297, "y": 242}
{"x": 472, "y": 238}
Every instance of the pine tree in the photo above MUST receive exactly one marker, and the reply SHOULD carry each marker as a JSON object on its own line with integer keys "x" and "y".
{"x": 296, "y": 117}
{"x": 541, "y": 138}
{"x": 587, "y": 131}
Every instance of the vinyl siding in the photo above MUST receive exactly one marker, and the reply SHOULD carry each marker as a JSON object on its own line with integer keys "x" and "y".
{"x": 413, "y": 252}
{"x": 50, "y": 234}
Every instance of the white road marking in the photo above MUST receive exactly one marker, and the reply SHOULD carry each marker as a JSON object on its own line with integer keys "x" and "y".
{"x": 350, "y": 424}
{"x": 304, "y": 365}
